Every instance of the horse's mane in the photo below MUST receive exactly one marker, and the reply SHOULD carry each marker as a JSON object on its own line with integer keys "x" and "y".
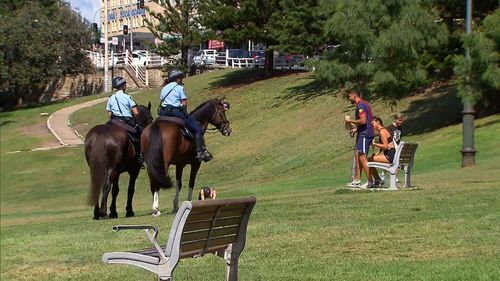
{"x": 204, "y": 109}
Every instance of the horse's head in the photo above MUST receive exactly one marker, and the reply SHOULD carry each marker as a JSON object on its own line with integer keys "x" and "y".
{"x": 145, "y": 117}
{"x": 213, "y": 112}
{"x": 219, "y": 119}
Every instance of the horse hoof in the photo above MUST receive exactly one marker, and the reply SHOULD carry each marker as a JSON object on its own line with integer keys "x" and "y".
{"x": 155, "y": 213}
{"x": 105, "y": 217}
{"x": 113, "y": 215}
{"x": 95, "y": 218}
{"x": 130, "y": 214}
{"x": 175, "y": 211}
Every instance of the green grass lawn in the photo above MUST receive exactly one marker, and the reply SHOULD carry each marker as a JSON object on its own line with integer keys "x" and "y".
{"x": 289, "y": 149}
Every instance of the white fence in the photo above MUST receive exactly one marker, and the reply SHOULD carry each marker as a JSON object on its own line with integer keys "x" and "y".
{"x": 137, "y": 62}
{"x": 221, "y": 61}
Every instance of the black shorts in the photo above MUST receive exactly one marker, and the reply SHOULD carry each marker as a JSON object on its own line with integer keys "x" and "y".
{"x": 389, "y": 154}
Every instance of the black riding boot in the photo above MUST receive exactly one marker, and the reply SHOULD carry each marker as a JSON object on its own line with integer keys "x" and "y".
{"x": 138, "y": 153}
{"x": 202, "y": 153}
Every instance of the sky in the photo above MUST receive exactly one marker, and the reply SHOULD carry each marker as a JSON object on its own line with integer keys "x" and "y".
{"x": 87, "y": 8}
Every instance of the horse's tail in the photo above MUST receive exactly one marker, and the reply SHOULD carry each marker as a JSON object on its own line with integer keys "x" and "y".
{"x": 154, "y": 159}
{"x": 95, "y": 153}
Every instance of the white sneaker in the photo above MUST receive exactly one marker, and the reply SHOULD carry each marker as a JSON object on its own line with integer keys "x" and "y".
{"x": 354, "y": 183}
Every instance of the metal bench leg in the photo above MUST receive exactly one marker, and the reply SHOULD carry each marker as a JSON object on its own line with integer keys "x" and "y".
{"x": 407, "y": 177}
{"x": 393, "y": 181}
{"x": 231, "y": 264}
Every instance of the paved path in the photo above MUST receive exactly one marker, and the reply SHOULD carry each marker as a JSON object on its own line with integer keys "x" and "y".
{"x": 59, "y": 125}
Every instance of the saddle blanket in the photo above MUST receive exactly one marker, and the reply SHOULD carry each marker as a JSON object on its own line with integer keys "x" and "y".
{"x": 179, "y": 122}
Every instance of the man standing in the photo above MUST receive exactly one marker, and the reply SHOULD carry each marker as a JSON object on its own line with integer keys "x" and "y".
{"x": 365, "y": 133}
{"x": 396, "y": 125}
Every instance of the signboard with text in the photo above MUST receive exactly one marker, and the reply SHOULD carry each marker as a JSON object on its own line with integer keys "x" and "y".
{"x": 214, "y": 44}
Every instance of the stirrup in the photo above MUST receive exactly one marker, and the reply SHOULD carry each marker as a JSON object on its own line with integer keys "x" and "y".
{"x": 204, "y": 156}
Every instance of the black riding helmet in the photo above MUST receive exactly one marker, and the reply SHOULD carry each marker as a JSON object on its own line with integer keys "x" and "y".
{"x": 174, "y": 74}
{"x": 118, "y": 82}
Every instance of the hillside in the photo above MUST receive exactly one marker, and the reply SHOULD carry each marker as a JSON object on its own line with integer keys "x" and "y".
{"x": 288, "y": 148}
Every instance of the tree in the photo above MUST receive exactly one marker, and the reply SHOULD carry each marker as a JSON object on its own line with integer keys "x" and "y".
{"x": 478, "y": 77}
{"x": 239, "y": 20}
{"x": 297, "y": 27}
{"x": 178, "y": 27}
{"x": 379, "y": 45}
{"x": 41, "y": 42}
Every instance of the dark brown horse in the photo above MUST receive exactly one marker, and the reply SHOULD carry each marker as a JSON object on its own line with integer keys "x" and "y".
{"x": 110, "y": 152}
{"x": 164, "y": 145}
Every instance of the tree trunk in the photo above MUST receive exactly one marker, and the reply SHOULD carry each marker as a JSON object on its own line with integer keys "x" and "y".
{"x": 268, "y": 67}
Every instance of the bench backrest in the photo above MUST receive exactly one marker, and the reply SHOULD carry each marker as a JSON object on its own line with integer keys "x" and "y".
{"x": 209, "y": 226}
{"x": 408, "y": 154}
{"x": 399, "y": 149}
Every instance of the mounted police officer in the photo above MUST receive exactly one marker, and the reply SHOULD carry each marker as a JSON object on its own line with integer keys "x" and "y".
{"x": 173, "y": 102}
{"x": 123, "y": 108}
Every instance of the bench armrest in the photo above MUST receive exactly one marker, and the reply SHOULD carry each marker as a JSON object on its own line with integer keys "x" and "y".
{"x": 117, "y": 228}
{"x": 152, "y": 237}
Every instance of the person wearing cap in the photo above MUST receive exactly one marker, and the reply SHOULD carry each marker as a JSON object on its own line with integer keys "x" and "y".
{"x": 173, "y": 102}
{"x": 122, "y": 107}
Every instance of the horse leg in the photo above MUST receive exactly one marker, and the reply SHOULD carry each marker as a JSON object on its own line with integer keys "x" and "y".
{"x": 96, "y": 211}
{"x": 131, "y": 190}
{"x": 156, "y": 202}
{"x": 192, "y": 179}
{"x": 114, "y": 194}
{"x": 104, "y": 200}
{"x": 178, "y": 187}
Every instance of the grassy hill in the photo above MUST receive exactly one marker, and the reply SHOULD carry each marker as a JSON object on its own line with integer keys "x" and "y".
{"x": 288, "y": 148}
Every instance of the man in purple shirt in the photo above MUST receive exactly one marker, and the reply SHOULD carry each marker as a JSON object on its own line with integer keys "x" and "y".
{"x": 364, "y": 129}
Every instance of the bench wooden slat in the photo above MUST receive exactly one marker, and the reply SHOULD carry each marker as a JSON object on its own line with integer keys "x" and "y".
{"x": 219, "y": 241}
{"x": 207, "y": 223}
{"x": 203, "y": 234}
{"x": 213, "y": 208}
{"x": 222, "y": 214}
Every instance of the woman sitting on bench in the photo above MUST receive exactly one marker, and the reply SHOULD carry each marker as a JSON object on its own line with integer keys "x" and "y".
{"x": 385, "y": 155}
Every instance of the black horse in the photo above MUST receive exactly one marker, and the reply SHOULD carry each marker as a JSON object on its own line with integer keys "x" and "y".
{"x": 163, "y": 145}
{"x": 110, "y": 152}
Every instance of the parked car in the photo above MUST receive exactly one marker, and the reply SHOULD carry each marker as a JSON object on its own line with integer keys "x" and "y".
{"x": 259, "y": 57}
{"x": 295, "y": 59}
{"x": 139, "y": 57}
{"x": 205, "y": 57}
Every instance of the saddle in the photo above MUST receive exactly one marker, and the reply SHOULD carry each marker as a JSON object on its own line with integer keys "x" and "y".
{"x": 179, "y": 122}
{"x": 131, "y": 131}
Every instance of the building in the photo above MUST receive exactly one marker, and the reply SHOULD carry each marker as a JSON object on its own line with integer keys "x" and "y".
{"x": 127, "y": 12}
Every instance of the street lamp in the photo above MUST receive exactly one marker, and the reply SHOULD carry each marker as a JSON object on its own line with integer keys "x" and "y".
{"x": 468, "y": 150}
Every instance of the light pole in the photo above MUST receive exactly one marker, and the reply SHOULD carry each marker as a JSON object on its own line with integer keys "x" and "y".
{"x": 468, "y": 150}
{"x": 106, "y": 43}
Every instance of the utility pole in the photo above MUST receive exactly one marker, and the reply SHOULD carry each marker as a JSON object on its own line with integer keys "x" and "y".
{"x": 131, "y": 38}
{"x": 106, "y": 45}
{"x": 468, "y": 150}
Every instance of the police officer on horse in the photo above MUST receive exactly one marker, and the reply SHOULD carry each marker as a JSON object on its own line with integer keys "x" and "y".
{"x": 123, "y": 108}
{"x": 173, "y": 102}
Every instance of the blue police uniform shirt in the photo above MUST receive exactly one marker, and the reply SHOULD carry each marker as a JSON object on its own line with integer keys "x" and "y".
{"x": 363, "y": 108}
{"x": 175, "y": 94}
{"x": 120, "y": 104}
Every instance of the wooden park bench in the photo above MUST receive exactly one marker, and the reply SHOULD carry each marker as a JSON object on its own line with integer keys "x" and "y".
{"x": 210, "y": 226}
{"x": 403, "y": 159}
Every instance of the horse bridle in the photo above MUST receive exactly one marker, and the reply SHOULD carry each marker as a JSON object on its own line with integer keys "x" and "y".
{"x": 224, "y": 125}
